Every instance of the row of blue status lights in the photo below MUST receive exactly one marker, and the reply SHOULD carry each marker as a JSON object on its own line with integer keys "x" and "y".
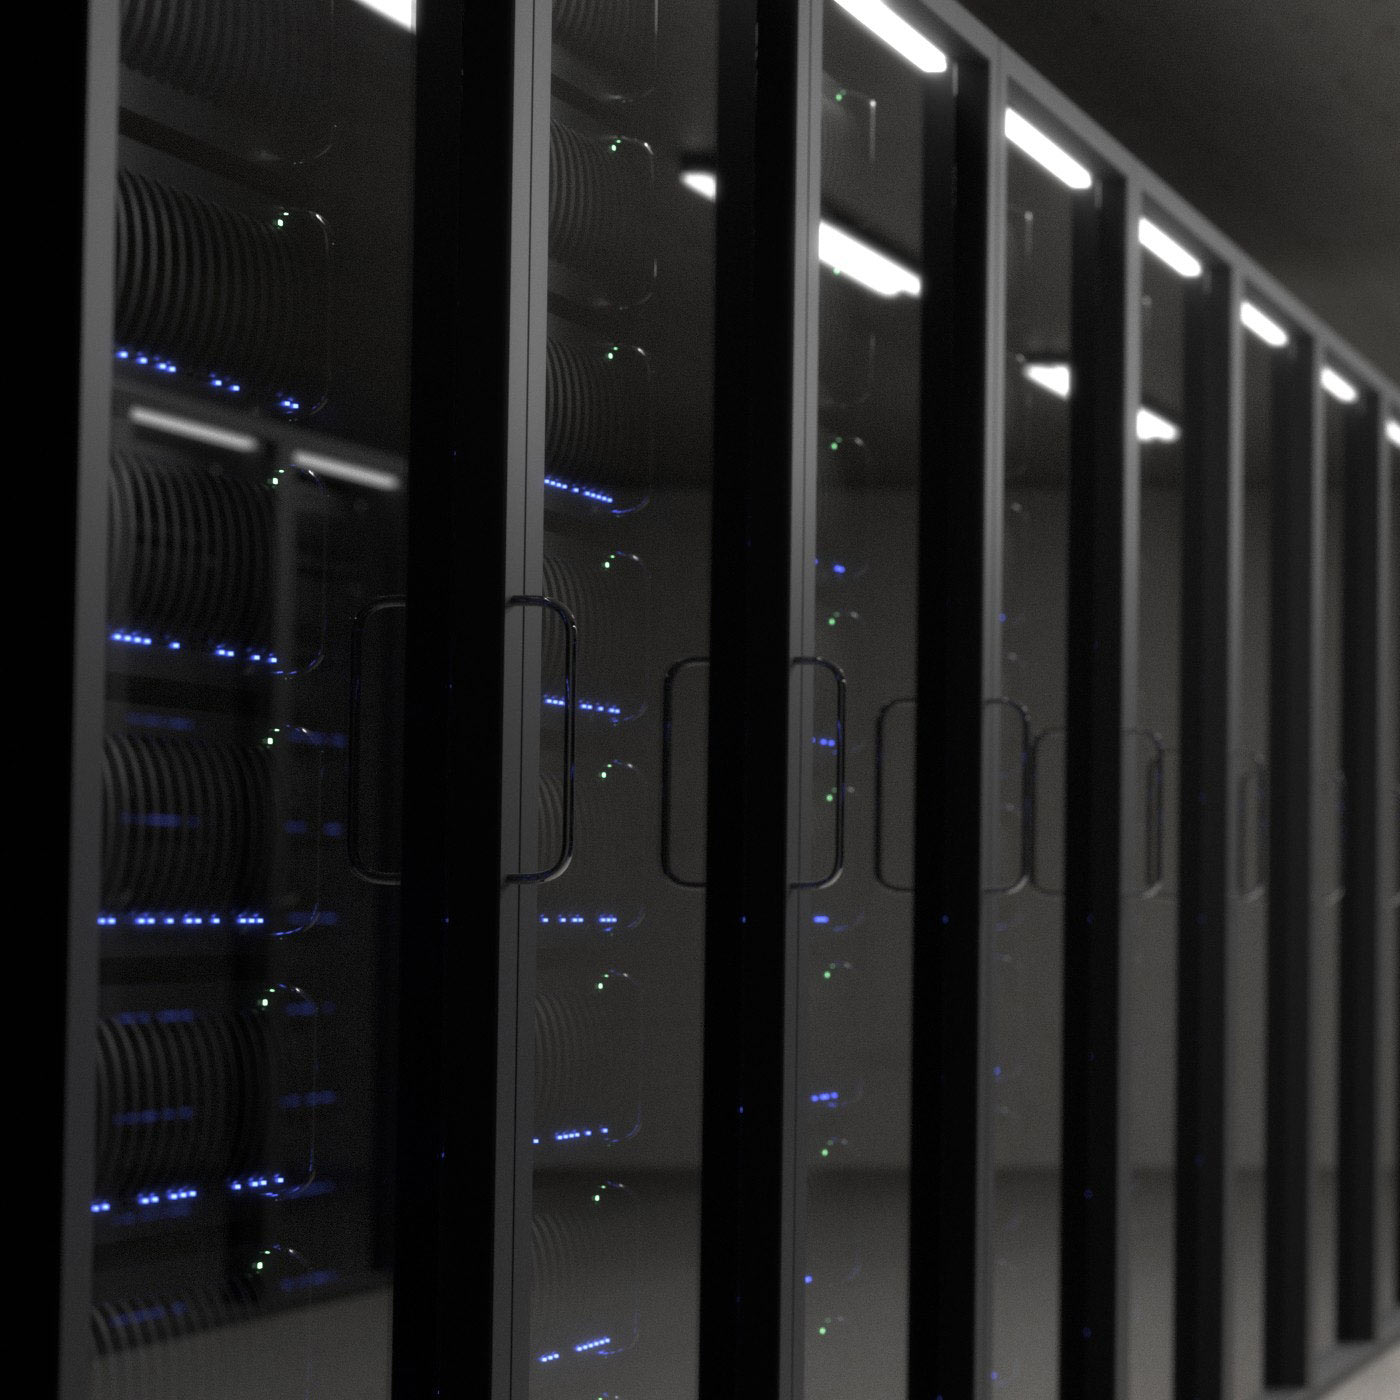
{"x": 295, "y": 920}
{"x": 159, "y": 364}
{"x": 265, "y": 1185}
{"x": 594, "y": 1344}
{"x": 223, "y": 650}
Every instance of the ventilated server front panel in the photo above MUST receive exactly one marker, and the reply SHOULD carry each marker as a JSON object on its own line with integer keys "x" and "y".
{"x": 614, "y": 939}
{"x": 255, "y": 500}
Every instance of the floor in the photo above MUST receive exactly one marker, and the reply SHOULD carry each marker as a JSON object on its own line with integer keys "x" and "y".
{"x": 1379, "y": 1381}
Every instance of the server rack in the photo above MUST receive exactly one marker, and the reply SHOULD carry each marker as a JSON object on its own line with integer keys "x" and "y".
{"x": 635, "y": 462}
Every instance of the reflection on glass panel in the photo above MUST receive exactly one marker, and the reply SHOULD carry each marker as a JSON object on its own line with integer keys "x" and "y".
{"x": 1152, "y": 823}
{"x": 1027, "y": 724}
{"x": 256, "y": 498}
{"x": 1248, "y": 962}
{"x": 857, "y": 936}
{"x": 614, "y": 1132}
{"x": 1388, "y": 1223}
{"x": 1329, "y": 802}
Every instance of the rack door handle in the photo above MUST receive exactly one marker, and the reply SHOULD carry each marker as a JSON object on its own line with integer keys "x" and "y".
{"x": 1033, "y": 785}
{"x": 1338, "y": 786}
{"x": 1258, "y": 773}
{"x": 838, "y": 863}
{"x": 373, "y": 874}
{"x": 1155, "y": 817}
{"x": 1027, "y": 822}
{"x": 566, "y": 845}
{"x": 880, "y": 723}
{"x": 667, "y": 779}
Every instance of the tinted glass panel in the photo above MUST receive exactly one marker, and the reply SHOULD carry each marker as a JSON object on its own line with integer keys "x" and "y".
{"x": 860, "y": 608}
{"x": 256, "y": 499}
{"x": 1026, "y": 729}
{"x": 1249, "y": 957}
{"x": 620, "y": 493}
{"x": 1151, "y": 827}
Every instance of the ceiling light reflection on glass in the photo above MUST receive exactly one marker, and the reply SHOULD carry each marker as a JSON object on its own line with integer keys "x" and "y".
{"x": 1055, "y": 377}
{"x": 846, "y": 255}
{"x": 899, "y": 34}
{"x": 400, "y": 11}
{"x": 1041, "y": 149}
{"x": 703, "y": 182}
{"x": 1343, "y": 390}
{"x": 849, "y": 257}
{"x": 1164, "y": 247}
{"x": 1392, "y": 431}
{"x": 1265, "y": 327}
{"x": 1152, "y": 427}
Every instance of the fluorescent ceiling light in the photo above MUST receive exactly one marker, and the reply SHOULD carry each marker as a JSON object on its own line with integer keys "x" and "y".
{"x": 1267, "y": 329}
{"x": 703, "y": 182}
{"x": 1152, "y": 427}
{"x": 400, "y": 11}
{"x": 1041, "y": 149}
{"x": 846, "y": 255}
{"x": 1392, "y": 431}
{"x": 351, "y": 472}
{"x": 899, "y": 34}
{"x": 1343, "y": 390}
{"x": 849, "y": 257}
{"x": 1056, "y": 378}
{"x": 191, "y": 429}
{"x": 1162, "y": 245}
{"x": 1050, "y": 375}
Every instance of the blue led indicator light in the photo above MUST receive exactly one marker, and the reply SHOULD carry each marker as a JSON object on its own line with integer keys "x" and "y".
{"x": 587, "y": 492}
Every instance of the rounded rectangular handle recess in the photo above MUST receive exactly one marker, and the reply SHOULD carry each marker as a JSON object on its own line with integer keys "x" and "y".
{"x": 566, "y": 844}
{"x": 1256, "y": 776}
{"x": 838, "y": 863}
{"x": 1154, "y": 817}
{"x": 668, "y": 703}
{"x": 1026, "y": 825}
{"x": 880, "y": 725}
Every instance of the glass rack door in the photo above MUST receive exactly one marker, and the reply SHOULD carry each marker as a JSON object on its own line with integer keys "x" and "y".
{"x": 885, "y": 89}
{"x": 612, "y": 592}
{"x": 255, "y": 500}
{"x": 1265, "y": 367}
{"x": 1027, "y": 719}
{"x": 1172, "y": 294}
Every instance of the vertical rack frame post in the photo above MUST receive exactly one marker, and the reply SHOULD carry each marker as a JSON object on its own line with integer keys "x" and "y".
{"x": 1300, "y": 463}
{"x": 453, "y": 1189}
{"x": 79, "y": 165}
{"x": 748, "y": 1342}
{"x": 1211, "y": 574}
{"x": 1363, "y": 995}
{"x": 959, "y": 507}
{"x": 1099, "y": 708}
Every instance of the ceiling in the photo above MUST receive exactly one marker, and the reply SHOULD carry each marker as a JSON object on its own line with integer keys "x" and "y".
{"x": 1278, "y": 119}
